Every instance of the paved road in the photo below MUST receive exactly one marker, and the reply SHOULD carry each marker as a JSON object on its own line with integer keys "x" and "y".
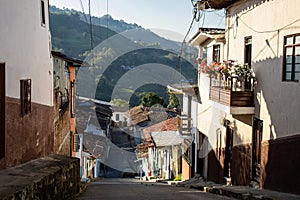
{"x": 129, "y": 189}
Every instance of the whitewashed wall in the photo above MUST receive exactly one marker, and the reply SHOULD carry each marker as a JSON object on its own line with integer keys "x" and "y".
{"x": 277, "y": 102}
{"x": 25, "y": 48}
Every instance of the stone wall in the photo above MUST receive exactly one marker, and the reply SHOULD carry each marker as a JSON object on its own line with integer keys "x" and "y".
{"x": 52, "y": 177}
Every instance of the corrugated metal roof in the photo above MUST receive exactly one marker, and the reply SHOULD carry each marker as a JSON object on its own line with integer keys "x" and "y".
{"x": 167, "y": 125}
{"x": 167, "y": 138}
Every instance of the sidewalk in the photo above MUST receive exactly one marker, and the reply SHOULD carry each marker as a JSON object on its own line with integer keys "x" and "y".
{"x": 238, "y": 192}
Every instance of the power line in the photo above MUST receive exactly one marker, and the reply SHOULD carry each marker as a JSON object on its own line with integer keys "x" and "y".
{"x": 82, "y": 8}
{"x": 268, "y": 31}
{"x": 183, "y": 43}
{"x": 106, "y": 19}
{"x": 91, "y": 25}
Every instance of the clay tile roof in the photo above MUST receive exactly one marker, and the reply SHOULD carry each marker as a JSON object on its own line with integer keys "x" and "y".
{"x": 138, "y": 114}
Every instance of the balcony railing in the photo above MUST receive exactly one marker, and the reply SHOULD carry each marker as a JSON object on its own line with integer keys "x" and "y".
{"x": 232, "y": 91}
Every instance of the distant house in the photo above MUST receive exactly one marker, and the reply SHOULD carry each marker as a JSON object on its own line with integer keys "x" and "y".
{"x": 188, "y": 126}
{"x": 64, "y": 78}
{"x": 251, "y": 135}
{"x": 120, "y": 116}
{"x": 91, "y": 136}
{"x": 160, "y": 150}
{"x": 140, "y": 117}
{"x": 26, "y": 82}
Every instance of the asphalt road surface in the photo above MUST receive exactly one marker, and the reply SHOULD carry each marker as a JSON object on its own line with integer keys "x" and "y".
{"x": 130, "y": 189}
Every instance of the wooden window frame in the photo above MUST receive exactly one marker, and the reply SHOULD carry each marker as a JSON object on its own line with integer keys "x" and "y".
{"x": 43, "y": 13}
{"x": 216, "y": 56}
{"x": 247, "y": 43}
{"x": 72, "y": 98}
{"x": 25, "y": 90}
{"x": 285, "y": 46}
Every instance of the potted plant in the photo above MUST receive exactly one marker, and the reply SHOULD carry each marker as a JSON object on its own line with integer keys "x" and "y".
{"x": 244, "y": 74}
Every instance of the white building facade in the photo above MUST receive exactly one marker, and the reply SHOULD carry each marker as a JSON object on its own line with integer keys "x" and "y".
{"x": 26, "y": 82}
{"x": 263, "y": 148}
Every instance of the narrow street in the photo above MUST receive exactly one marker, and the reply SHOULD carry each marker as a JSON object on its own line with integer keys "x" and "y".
{"x": 131, "y": 189}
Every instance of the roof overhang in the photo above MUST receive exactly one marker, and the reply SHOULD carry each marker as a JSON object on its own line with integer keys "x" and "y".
{"x": 205, "y": 34}
{"x": 72, "y": 61}
{"x": 200, "y": 39}
{"x": 188, "y": 89}
{"x": 219, "y": 4}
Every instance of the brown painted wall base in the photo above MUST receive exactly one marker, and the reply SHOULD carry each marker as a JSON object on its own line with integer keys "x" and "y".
{"x": 27, "y": 137}
{"x": 216, "y": 166}
{"x": 240, "y": 165}
{"x": 281, "y": 164}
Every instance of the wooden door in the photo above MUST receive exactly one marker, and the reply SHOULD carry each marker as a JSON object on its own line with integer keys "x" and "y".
{"x": 256, "y": 149}
{"x": 2, "y": 110}
{"x": 228, "y": 151}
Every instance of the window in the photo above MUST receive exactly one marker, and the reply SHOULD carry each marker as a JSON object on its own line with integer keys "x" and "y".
{"x": 64, "y": 100}
{"x": 43, "y": 14}
{"x": 72, "y": 97}
{"x": 117, "y": 117}
{"x": 25, "y": 96}
{"x": 76, "y": 146}
{"x": 216, "y": 53}
{"x": 248, "y": 50}
{"x": 291, "y": 58}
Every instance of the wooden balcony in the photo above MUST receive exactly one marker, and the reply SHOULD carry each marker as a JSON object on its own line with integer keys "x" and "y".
{"x": 236, "y": 94}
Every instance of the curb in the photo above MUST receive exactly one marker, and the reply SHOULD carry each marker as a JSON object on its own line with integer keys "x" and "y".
{"x": 219, "y": 190}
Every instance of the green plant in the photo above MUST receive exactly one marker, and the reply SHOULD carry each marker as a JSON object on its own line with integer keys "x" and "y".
{"x": 178, "y": 177}
{"x": 243, "y": 71}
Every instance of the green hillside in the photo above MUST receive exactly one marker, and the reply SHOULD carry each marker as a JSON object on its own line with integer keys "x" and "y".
{"x": 71, "y": 36}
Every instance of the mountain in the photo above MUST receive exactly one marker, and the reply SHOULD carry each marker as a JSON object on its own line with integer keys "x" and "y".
{"x": 71, "y": 35}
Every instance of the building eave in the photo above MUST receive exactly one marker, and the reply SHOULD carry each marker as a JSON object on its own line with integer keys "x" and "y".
{"x": 74, "y": 62}
{"x": 219, "y": 4}
{"x": 205, "y": 34}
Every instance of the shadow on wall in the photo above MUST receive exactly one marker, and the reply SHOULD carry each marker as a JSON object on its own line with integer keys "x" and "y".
{"x": 240, "y": 161}
{"x": 250, "y": 5}
{"x": 280, "y": 155}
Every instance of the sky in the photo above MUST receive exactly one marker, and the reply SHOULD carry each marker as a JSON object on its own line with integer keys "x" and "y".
{"x": 169, "y": 18}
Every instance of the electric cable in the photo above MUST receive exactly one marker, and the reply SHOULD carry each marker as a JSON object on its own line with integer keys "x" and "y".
{"x": 82, "y": 8}
{"x": 91, "y": 26}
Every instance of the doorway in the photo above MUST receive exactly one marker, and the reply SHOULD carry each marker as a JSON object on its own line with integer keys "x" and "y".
{"x": 228, "y": 151}
{"x": 256, "y": 149}
{"x": 2, "y": 110}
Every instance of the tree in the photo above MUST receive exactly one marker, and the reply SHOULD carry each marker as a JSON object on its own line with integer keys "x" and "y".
{"x": 120, "y": 103}
{"x": 173, "y": 101}
{"x": 151, "y": 98}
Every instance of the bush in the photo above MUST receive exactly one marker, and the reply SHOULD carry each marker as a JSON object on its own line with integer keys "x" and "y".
{"x": 178, "y": 178}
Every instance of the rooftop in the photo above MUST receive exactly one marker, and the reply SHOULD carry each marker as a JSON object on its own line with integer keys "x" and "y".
{"x": 204, "y": 34}
{"x": 74, "y": 61}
